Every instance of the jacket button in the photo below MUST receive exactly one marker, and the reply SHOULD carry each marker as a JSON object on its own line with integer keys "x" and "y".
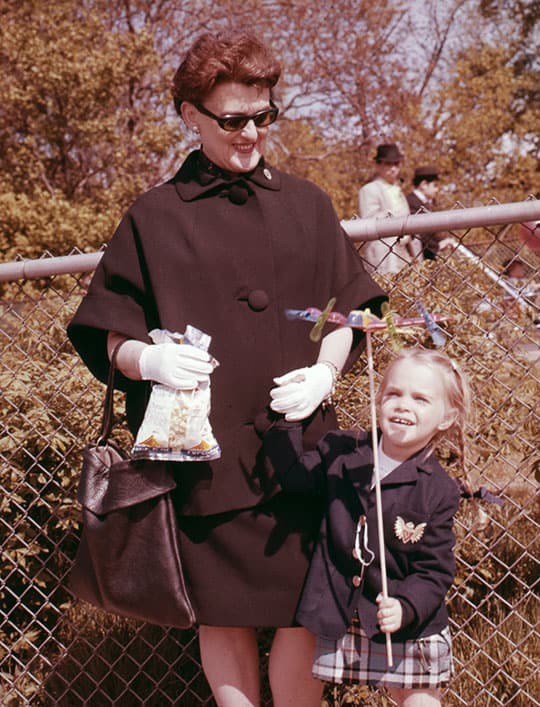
{"x": 258, "y": 300}
{"x": 356, "y": 580}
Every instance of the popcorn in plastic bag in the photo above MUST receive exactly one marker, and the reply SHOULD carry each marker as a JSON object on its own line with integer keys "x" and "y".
{"x": 176, "y": 425}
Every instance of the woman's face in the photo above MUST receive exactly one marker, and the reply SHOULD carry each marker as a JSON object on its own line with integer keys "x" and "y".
{"x": 238, "y": 151}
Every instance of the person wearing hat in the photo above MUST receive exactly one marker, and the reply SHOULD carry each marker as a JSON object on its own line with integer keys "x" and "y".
{"x": 421, "y": 199}
{"x": 382, "y": 197}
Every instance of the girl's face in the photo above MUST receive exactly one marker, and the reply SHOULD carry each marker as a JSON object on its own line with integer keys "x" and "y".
{"x": 412, "y": 409}
{"x": 238, "y": 151}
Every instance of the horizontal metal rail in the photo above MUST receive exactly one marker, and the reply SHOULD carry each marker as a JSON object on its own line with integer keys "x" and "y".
{"x": 368, "y": 229}
{"x": 27, "y": 269}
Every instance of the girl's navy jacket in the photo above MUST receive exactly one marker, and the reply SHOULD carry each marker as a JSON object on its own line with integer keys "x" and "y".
{"x": 419, "y": 502}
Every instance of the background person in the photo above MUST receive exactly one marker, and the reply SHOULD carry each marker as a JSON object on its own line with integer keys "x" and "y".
{"x": 514, "y": 270}
{"x": 423, "y": 397}
{"x": 382, "y": 197}
{"x": 227, "y": 245}
{"x": 421, "y": 199}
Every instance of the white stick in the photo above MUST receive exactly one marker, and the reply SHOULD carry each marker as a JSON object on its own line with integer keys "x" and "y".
{"x": 376, "y": 472}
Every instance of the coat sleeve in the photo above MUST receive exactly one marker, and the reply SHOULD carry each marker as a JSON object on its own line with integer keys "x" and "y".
{"x": 119, "y": 299}
{"x": 432, "y": 566}
{"x": 297, "y": 471}
{"x": 342, "y": 268}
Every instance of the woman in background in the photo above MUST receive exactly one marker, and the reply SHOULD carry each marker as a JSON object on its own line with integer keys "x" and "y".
{"x": 381, "y": 197}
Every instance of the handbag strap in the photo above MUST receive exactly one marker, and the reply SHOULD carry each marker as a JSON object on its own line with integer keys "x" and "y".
{"x": 106, "y": 424}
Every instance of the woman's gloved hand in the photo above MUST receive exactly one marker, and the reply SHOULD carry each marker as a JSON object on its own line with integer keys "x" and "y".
{"x": 179, "y": 366}
{"x": 301, "y": 391}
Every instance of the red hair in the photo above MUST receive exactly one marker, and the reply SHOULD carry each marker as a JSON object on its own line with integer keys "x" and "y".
{"x": 214, "y": 59}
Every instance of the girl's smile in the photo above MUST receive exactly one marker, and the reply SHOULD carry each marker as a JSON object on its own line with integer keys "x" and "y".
{"x": 412, "y": 409}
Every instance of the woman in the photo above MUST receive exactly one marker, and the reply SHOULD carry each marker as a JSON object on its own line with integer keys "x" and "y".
{"x": 382, "y": 197}
{"x": 227, "y": 245}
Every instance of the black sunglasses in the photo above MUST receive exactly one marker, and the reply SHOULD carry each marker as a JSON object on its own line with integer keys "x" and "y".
{"x": 232, "y": 123}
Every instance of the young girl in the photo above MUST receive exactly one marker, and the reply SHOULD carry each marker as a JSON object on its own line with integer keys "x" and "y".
{"x": 423, "y": 397}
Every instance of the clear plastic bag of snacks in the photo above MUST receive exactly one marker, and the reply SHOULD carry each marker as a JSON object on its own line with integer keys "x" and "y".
{"x": 176, "y": 425}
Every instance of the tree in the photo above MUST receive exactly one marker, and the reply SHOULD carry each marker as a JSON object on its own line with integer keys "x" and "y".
{"x": 86, "y": 119}
{"x": 82, "y": 128}
{"x": 360, "y": 73}
{"x": 487, "y": 116}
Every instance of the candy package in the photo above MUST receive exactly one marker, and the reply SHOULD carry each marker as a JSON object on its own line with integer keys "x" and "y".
{"x": 176, "y": 425}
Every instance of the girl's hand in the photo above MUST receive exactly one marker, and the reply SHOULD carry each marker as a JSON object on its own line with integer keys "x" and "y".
{"x": 389, "y": 615}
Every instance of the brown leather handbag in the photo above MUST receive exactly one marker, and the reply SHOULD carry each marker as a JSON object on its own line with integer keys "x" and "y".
{"x": 128, "y": 560}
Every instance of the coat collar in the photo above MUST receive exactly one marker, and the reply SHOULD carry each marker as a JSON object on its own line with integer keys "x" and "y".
{"x": 406, "y": 472}
{"x": 199, "y": 176}
{"x": 421, "y": 197}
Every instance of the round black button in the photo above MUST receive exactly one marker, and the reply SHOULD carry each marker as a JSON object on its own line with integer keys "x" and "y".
{"x": 258, "y": 300}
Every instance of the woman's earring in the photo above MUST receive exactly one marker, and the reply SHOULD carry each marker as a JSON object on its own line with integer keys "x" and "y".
{"x": 195, "y": 129}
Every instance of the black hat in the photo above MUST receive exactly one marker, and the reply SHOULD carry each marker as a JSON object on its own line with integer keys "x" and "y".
{"x": 428, "y": 172}
{"x": 388, "y": 153}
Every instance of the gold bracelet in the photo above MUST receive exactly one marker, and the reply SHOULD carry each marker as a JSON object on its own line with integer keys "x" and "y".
{"x": 334, "y": 370}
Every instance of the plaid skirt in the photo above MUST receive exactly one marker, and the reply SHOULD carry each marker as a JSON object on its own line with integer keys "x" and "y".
{"x": 356, "y": 659}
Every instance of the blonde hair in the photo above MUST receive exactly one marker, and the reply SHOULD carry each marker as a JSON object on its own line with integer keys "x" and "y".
{"x": 455, "y": 386}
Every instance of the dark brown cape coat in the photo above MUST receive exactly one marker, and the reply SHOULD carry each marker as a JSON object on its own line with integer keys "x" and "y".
{"x": 184, "y": 253}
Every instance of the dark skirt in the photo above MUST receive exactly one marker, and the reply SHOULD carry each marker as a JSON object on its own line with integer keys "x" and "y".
{"x": 247, "y": 568}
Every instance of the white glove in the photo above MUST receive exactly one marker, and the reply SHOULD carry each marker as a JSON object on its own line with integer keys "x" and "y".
{"x": 179, "y": 366}
{"x": 301, "y": 391}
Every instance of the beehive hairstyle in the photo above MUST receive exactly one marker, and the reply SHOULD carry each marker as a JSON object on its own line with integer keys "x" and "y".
{"x": 216, "y": 58}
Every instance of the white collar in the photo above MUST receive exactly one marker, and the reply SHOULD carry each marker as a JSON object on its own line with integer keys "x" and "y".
{"x": 423, "y": 198}
{"x": 386, "y": 464}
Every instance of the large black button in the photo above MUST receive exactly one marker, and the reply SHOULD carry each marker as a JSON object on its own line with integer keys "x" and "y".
{"x": 258, "y": 300}
{"x": 238, "y": 194}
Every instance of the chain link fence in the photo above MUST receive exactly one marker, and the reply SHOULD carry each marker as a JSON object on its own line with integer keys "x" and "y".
{"x": 57, "y": 651}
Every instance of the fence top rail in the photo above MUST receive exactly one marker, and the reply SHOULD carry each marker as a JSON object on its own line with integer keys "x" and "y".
{"x": 368, "y": 229}
{"x": 28, "y": 269}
